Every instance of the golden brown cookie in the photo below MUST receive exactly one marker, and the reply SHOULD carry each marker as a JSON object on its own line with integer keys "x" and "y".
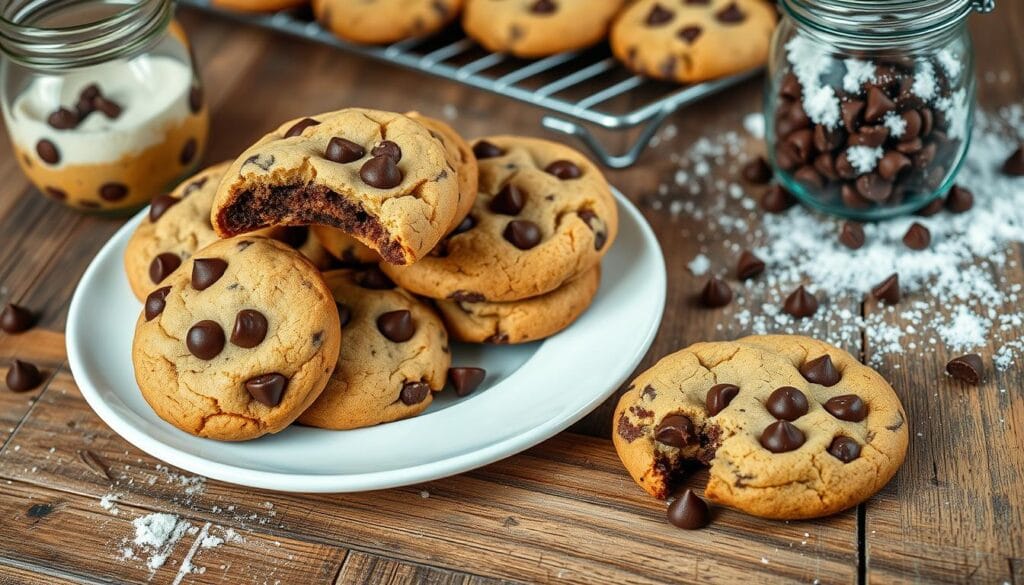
{"x": 222, "y": 350}
{"x": 394, "y": 355}
{"x": 538, "y": 28}
{"x": 790, "y": 426}
{"x": 521, "y": 321}
{"x": 375, "y": 22}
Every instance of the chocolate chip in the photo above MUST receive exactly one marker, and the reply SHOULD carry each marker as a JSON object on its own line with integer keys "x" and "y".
{"x": 800, "y": 303}
{"x": 937, "y": 205}
{"x": 852, "y": 235}
{"x": 155, "y": 302}
{"x": 806, "y": 175}
{"x": 828, "y": 139}
{"x": 206, "y": 271}
{"x": 870, "y": 136}
{"x": 483, "y": 149}
{"x": 967, "y": 368}
{"x": 757, "y": 171}
{"x": 719, "y": 397}
{"x": 414, "y": 393}
{"x": 381, "y": 172}
{"x": 776, "y": 199}
{"x": 844, "y": 449}
{"x": 787, "y": 157}
{"x": 912, "y": 125}
{"x": 731, "y": 14}
{"x": 790, "y": 87}
{"x": 205, "y": 339}
{"x": 62, "y": 119}
{"x": 820, "y": 371}
{"x": 874, "y": 188}
{"x": 267, "y": 389}
{"x": 467, "y": 223}
{"x": 188, "y": 152}
{"x": 927, "y": 121}
{"x": 848, "y": 407}
{"x": 959, "y": 200}
{"x": 344, "y": 314}
{"x": 716, "y": 293}
{"x": 388, "y": 149}
{"x": 466, "y": 380}
{"x": 48, "y": 151}
{"x": 113, "y": 191}
{"x": 658, "y": 15}
{"x": 343, "y": 151}
{"x": 23, "y": 376}
{"x": 749, "y": 265}
{"x": 300, "y": 127}
{"x": 689, "y": 512}
{"x": 15, "y": 319}
{"x": 564, "y": 170}
{"x": 690, "y": 33}
{"x": 892, "y": 164}
{"x": 852, "y": 199}
{"x": 90, "y": 92}
{"x": 676, "y": 430}
{"x": 250, "y": 328}
{"x": 878, "y": 105}
{"x": 522, "y": 234}
{"x": 397, "y": 326}
{"x": 543, "y": 7}
{"x": 844, "y": 168}
{"x": 162, "y": 266}
{"x": 782, "y": 436}
{"x": 917, "y": 237}
{"x": 109, "y": 108}
{"x": 159, "y": 206}
{"x": 888, "y": 291}
{"x": 58, "y": 194}
{"x": 911, "y": 146}
{"x": 596, "y": 225}
{"x": 509, "y": 201}
{"x": 374, "y": 278}
{"x": 851, "y": 111}
{"x": 925, "y": 157}
{"x": 295, "y": 236}
{"x": 787, "y": 403}
{"x": 195, "y": 99}
{"x": 803, "y": 142}
{"x": 1014, "y": 165}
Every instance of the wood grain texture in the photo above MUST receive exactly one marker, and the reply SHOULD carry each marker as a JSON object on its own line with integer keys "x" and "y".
{"x": 365, "y": 568}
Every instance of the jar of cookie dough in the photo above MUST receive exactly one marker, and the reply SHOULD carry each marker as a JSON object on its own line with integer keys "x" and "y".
{"x": 869, "y": 108}
{"x": 101, "y": 99}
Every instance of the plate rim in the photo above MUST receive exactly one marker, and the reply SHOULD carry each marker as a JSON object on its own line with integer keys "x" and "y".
{"x": 362, "y": 481}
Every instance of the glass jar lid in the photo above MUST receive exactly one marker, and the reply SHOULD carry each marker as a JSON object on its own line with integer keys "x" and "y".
{"x": 868, "y": 22}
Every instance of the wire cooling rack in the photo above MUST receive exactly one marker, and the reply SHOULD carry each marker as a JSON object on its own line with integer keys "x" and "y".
{"x": 577, "y": 87}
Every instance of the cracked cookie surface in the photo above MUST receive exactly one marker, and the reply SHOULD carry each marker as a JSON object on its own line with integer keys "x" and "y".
{"x": 693, "y": 41}
{"x": 538, "y": 28}
{"x": 220, "y": 350}
{"x": 384, "y": 21}
{"x": 787, "y": 432}
{"x": 394, "y": 355}
{"x": 521, "y": 321}
{"x": 379, "y": 176}
{"x": 544, "y": 215}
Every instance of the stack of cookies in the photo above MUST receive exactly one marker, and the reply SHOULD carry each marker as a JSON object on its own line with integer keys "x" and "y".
{"x": 263, "y": 300}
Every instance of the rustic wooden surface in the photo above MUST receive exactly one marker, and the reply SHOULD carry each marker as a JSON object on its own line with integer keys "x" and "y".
{"x": 563, "y": 511}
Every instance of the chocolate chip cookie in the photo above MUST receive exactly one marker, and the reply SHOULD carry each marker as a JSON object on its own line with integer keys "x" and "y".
{"x": 379, "y": 176}
{"x": 221, "y": 351}
{"x": 394, "y": 355}
{"x": 375, "y": 22}
{"x": 695, "y": 40}
{"x": 537, "y": 28}
{"x": 544, "y": 215}
{"x": 521, "y": 321}
{"x": 790, "y": 426}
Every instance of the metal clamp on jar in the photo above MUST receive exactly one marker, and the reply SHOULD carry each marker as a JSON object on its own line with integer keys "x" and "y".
{"x": 870, "y": 105}
{"x": 101, "y": 99}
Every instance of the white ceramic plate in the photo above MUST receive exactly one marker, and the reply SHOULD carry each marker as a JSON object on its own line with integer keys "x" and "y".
{"x": 531, "y": 393}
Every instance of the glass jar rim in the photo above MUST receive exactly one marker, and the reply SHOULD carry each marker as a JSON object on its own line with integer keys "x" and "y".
{"x": 890, "y": 20}
{"x": 129, "y": 28}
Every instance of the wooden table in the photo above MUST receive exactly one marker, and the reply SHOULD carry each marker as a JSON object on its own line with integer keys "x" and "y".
{"x": 562, "y": 511}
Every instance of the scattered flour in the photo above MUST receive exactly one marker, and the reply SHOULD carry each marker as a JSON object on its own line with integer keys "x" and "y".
{"x": 753, "y": 123}
{"x": 699, "y": 265}
{"x": 857, "y": 73}
{"x": 809, "y": 61}
{"x": 158, "y": 533}
{"x": 895, "y": 123}
{"x": 864, "y": 158}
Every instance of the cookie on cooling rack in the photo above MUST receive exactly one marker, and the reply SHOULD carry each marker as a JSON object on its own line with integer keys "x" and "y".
{"x": 375, "y": 22}
{"x": 538, "y": 28}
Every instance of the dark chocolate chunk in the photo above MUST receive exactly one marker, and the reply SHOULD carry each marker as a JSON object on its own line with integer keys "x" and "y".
{"x": 564, "y": 169}
{"x": 959, "y": 200}
{"x": 912, "y": 125}
{"x": 787, "y": 157}
{"x": 690, "y": 33}
{"x": 509, "y": 201}
{"x": 800, "y": 303}
{"x": 689, "y": 512}
{"x": 113, "y": 191}
{"x": 716, "y": 293}
{"x": 658, "y": 15}
{"x": 389, "y": 149}
{"x": 15, "y": 319}
{"x": 414, "y": 393}
{"x": 543, "y": 7}
{"x": 731, "y": 14}
{"x": 790, "y": 87}
{"x": 852, "y": 235}
{"x": 155, "y": 302}
{"x": 300, "y": 127}
{"x": 48, "y": 152}
{"x": 267, "y": 389}
{"x": 803, "y": 142}
{"x": 195, "y": 99}
{"x": 912, "y": 146}
{"x": 109, "y": 108}
{"x": 676, "y": 430}
{"x": 917, "y": 237}
{"x": 848, "y": 407}
{"x": 188, "y": 152}
{"x": 782, "y": 436}
{"x": 162, "y": 266}
{"x": 1014, "y": 165}
{"x": 967, "y": 368}
{"x": 844, "y": 449}
{"x": 206, "y": 271}
{"x": 820, "y": 371}
{"x": 344, "y": 314}
{"x": 483, "y": 149}
{"x": 892, "y": 164}
{"x": 937, "y": 205}
{"x": 467, "y": 223}
{"x": 851, "y": 111}
{"x": 719, "y": 397}
{"x": 343, "y": 151}
{"x": 522, "y": 234}
{"x": 397, "y": 326}
{"x": 374, "y": 278}
{"x": 62, "y": 119}
{"x": 160, "y": 205}
{"x": 787, "y": 403}
{"x": 806, "y": 175}
{"x": 596, "y": 225}
{"x": 205, "y": 339}
{"x": 776, "y": 199}
{"x": 828, "y": 139}
{"x": 878, "y": 105}
{"x": 465, "y": 380}
{"x": 381, "y": 172}
{"x": 58, "y": 194}
{"x": 852, "y": 199}
{"x": 888, "y": 291}
{"x": 250, "y": 328}
{"x": 757, "y": 171}
{"x": 23, "y": 376}
{"x": 871, "y": 136}
{"x": 874, "y": 188}
{"x": 749, "y": 265}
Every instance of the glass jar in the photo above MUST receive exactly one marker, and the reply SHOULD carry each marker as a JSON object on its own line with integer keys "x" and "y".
{"x": 101, "y": 99}
{"x": 870, "y": 105}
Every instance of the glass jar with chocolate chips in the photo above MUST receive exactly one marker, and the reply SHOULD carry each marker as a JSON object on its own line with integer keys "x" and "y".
{"x": 870, "y": 105}
{"x": 101, "y": 99}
